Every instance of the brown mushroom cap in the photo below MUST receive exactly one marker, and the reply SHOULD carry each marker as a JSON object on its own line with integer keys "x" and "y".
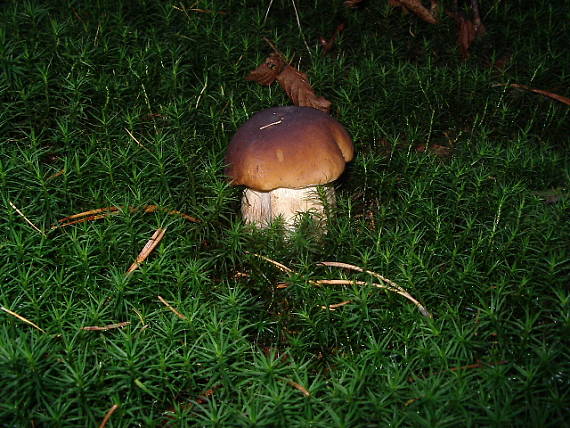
{"x": 290, "y": 147}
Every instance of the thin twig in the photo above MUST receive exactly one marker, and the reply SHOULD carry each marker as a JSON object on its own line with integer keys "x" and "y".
{"x": 21, "y": 214}
{"x": 147, "y": 249}
{"x": 106, "y": 327}
{"x": 21, "y": 318}
{"x": 300, "y": 387}
{"x": 279, "y": 266}
{"x": 134, "y": 138}
{"x": 169, "y": 306}
{"x": 420, "y": 307}
{"x": 336, "y": 305}
{"x": 359, "y": 269}
{"x": 552, "y": 95}
{"x": 99, "y": 213}
{"x": 392, "y": 286}
{"x": 108, "y": 415}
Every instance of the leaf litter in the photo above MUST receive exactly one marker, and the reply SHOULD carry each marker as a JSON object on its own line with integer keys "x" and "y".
{"x": 294, "y": 82}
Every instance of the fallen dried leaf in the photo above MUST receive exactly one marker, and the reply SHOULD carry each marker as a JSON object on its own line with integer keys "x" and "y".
{"x": 353, "y": 4}
{"x": 267, "y": 72}
{"x": 147, "y": 249}
{"x": 294, "y": 82}
{"x": 297, "y": 86}
{"x": 468, "y": 30}
{"x": 552, "y": 196}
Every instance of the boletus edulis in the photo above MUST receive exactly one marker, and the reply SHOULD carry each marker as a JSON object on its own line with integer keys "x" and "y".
{"x": 281, "y": 155}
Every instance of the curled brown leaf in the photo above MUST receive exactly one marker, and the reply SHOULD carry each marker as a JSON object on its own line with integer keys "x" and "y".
{"x": 267, "y": 72}
{"x": 297, "y": 86}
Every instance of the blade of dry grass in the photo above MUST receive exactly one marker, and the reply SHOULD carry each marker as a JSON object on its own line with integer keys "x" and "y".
{"x": 21, "y": 318}
{"x": 21, "y": 214}
{"x": 278, "y": 265}
{"x": 169, "y": 306}
{"x": 392, "y": 286}
{"x": 405, "y": 294}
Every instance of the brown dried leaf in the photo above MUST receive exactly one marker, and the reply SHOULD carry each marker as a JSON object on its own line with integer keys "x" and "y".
{"x": 297, "y": 86}
{"x": 417, "y": 8}
{"x": 267, "y": 72}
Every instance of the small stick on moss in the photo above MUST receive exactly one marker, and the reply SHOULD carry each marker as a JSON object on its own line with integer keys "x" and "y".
{"x": 405, "y": 294}
{"x": 336, "y": 305}
{"x": 108, "y": 415}
{"x": 278, "y": 265}
{"x": 106, "y": 327}
{"x": 99, "y": 213}
{"x": 552, "y": 95}
{"x": 21, "y": 214}
{"x": 134, "y": 138}
{"x": 21, "y": 318}
{"x": 147, "y": 249}
{"x": 301, "y": 388}
{"x": 169, "y": 306}
{"x": 392, "y": 286}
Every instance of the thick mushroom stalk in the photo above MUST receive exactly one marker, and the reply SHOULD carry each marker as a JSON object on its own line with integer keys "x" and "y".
{"x": 262, "y": 208}
{"x": 282, "y": 155}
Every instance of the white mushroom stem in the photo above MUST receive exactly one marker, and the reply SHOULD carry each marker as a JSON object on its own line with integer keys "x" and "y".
{"x": 262, "y": 208}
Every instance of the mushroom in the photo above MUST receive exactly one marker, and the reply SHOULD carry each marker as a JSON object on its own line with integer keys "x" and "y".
{"x": 281, "y": 155}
